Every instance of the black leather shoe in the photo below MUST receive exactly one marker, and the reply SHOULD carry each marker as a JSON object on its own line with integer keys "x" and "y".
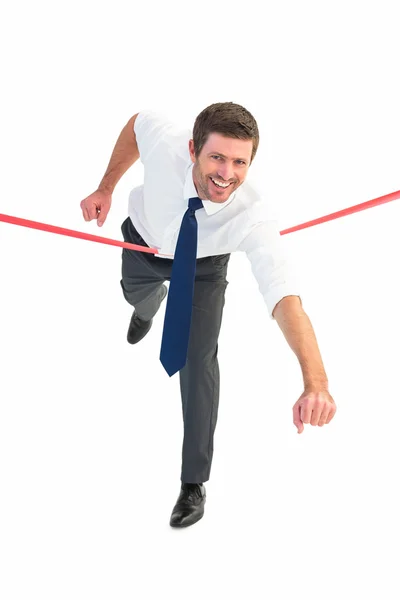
{"x": 138, "y": 329}
{"x": 189, "y": 507}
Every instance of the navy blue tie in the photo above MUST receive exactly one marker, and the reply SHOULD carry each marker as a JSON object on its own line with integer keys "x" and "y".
{"x": 178, "y": 313}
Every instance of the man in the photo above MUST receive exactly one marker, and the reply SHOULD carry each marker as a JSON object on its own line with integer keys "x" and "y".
{"x": 196, "y": 207}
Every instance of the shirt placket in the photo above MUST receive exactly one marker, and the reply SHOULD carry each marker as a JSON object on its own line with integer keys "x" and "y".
{"x": 170, "y": 237}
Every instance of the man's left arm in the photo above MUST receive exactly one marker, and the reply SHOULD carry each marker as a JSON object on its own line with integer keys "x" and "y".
{"x": 315, "y": 406}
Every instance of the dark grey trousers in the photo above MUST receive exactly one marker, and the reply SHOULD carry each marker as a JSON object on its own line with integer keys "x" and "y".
{"x": 143, "y": 277}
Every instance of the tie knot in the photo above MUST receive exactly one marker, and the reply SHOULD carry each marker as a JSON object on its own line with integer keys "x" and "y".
{"x": 195, "y": 203}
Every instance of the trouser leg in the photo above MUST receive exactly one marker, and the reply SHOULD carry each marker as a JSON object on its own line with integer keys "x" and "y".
{"x": 142, "y": 281}
{"x": 200, "y": 379}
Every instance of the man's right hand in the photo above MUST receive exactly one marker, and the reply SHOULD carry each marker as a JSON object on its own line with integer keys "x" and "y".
{"x": 96, "y": 206}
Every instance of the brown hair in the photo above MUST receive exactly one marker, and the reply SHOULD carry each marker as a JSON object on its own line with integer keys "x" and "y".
{"x": 226, "y": 118}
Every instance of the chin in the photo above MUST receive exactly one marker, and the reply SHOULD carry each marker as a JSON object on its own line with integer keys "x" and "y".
{"x": 223, "y": 197}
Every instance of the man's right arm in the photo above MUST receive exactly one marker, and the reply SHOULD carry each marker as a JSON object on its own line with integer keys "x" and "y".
{"x": 124, "y": 155}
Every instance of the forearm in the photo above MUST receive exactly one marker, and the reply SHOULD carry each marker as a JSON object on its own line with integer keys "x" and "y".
{"x": 125, "y": 153}
{"x": 299, "y": 333}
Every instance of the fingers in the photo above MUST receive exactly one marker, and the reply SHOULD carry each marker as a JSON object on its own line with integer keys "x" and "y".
{"x": 314, "y": 409}
{"x": 84, "y": 211}
{"x": 317, "y": 410}
{"x": 297, "y": 419}
{"x": 324, "y": 415}
{"x": 96, "y": 206}
{"x": 102, "y": 214}
{"x": 306, "y": 412}
{"x": 331, "y": 414}
{"x": 90, "y": 210}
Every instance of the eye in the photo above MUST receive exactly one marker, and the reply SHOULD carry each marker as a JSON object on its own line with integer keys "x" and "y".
{"x": 215, "y": 156}
{"x": 241, "y": 162}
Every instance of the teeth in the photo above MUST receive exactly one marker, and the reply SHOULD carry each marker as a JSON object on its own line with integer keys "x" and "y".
{"x": 223, "y": 185}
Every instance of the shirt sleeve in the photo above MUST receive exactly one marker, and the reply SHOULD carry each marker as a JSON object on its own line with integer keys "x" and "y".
{"x": 270, "y": 266}
{"x": 151, "y": 130}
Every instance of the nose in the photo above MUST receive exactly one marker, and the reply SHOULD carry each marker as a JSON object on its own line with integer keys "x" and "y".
{"x": 225, "y": 171}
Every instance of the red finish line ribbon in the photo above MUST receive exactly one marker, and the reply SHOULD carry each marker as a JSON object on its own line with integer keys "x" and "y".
{"x": 345, "y": 212}
{"x": 103, "y": 240}
{"x": 76, "y": 234}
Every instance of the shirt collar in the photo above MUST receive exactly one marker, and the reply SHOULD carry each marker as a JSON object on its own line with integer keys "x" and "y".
{"x": 190, "y": 192}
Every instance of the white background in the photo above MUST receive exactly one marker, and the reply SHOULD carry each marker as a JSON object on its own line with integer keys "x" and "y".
{"x": 90, "y": 427}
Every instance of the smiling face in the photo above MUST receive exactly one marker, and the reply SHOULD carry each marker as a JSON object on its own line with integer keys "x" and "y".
{"x": 221, "y": 167}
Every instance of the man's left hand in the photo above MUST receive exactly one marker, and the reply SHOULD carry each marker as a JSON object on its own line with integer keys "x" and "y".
{"x": 316, "y": 407}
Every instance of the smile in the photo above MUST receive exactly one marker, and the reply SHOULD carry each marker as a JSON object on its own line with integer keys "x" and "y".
{"x": 220, "y": 184}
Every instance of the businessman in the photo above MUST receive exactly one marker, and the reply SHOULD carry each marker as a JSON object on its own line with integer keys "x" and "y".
{"x": 196, "y": 206}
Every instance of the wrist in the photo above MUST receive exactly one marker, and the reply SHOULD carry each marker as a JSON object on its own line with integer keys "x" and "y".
{"x": 316, "y": 384}
{"x": 106, "y": 188}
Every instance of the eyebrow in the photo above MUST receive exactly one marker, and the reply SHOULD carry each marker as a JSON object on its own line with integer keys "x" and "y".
{"x": 223, "y": 156}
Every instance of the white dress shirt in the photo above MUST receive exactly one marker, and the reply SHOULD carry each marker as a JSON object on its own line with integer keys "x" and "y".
{"x": 245, "y": 222}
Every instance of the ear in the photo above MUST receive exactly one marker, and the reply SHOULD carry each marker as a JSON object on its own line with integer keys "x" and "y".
{"x": 191, "y": 151}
